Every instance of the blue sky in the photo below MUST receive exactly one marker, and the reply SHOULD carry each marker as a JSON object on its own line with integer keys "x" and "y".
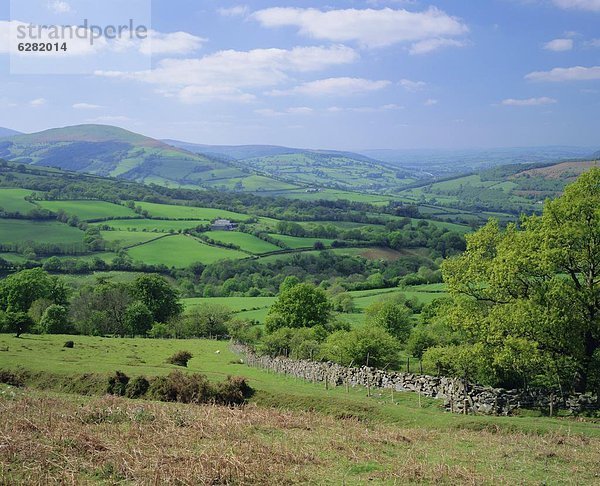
{"x": 343, "y": 75}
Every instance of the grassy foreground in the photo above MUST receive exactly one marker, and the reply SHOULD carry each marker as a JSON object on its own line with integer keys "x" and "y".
{"x": 291, "y": 431}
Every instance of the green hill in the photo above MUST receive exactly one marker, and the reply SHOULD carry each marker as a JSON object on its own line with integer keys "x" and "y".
{"x": 111, "y": 151}
{"x": 319, "y": 168}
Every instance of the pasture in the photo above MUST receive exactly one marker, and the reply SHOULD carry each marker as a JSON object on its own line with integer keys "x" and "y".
{"x": 181, "y": 251}
{"x": 297, "y": 243}
{"x": 171, "y": 211}
{"x": 89, "y": 210}
{"x": 53, "y": 232}
{"x": 245, "y": 241}
{"x": 130, "y": 238}
{"x": 13, "y": 201}
{"x": 157, "y": 225}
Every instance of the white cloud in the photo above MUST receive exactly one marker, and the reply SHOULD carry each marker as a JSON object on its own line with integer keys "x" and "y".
{"x": 334, "y": 87}
{"x": 368, "y": 27}
{"x": 227, "y": 75}
{"x": 85, "y": 106}
{"x": 59, "y": 7}
{"x": 590, "y": 5}
{"x": 577, "y": 73}
{"x": 236, "y": 11}
{"x": 559, "y": 45}
{"x": 37, "y": 102}
{"x": 431, "y": 102}
{"x": 529, "y": 101}
{"x": 409, "y": 85}
{"x": 182, "y": 43}
{"x": 593, "y": 43}
{"x": 429, "y": 45}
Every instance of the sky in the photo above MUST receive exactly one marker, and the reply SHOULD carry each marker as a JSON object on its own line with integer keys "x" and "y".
{"x": 346, "y": 75}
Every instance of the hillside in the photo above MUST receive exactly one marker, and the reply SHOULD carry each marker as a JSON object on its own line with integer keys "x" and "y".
{"x": 112, "y": 151}
{"x": 7, "y": 132}
{"x": 514, "y": 188}
{"x": 319, "y": 168}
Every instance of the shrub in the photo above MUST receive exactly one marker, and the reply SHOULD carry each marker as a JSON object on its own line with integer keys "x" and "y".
{"x": 180, "y": 358}
{"x": 69, "y": 344}
{"x": 234, "y": 391}
{"x": 11, "y": 378}
{"x": 137, "y": 387}
{"x": 178, "y": 387}
{"x": 117, "y": 384}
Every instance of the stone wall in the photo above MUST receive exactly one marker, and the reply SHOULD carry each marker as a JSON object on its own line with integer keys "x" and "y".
{"x": 458, "y": 396}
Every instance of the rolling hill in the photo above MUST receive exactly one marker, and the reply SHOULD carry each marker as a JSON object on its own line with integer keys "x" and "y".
{"x": 111, "y": 151}
{"x": 320, "y": 168}
{"x": 7, "y": 132}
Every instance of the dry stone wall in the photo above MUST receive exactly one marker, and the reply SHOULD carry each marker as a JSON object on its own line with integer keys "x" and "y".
{"x": 458, "y": 396}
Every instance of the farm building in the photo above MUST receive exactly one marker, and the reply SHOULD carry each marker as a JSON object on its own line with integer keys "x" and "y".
{"x": 222, "y": 225}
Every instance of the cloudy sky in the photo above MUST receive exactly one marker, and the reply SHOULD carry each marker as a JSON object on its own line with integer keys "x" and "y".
{"x": 345, "y": 74}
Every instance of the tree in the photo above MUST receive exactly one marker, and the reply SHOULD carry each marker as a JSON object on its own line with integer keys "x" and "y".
{"x": 529, "y": 296}
{"x": 138, "y": 319}
{"x": 207, "y": 320}
{"x": 17, "y": 322}
{"x": 18, "y": 291}
{"x": 160, "y": 298}
{"x": 394, "y": 318}
{"x": 365, "y": 346}
{"x": 55, "y": 320}
{"x": 302, "y": 305}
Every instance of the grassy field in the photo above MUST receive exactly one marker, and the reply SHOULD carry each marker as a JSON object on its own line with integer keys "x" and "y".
{"x": 129, "y": 238}
{"x": 20, "y": 230}
{"x": 170, "y": 211}
{"x": 180, "y": 251}
{"x": 292, "y": 431}
{"x": 296, "y": 243}
{"x": 246, "y": 242}
{"x": 89, "y": 210}
{"x": 158, "y": 225}
{"x": 13, "y": 200}
{"x": 235, "y": 304}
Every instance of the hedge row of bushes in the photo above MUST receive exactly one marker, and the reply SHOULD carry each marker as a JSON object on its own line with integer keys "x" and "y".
{"x": 181, "y": 387}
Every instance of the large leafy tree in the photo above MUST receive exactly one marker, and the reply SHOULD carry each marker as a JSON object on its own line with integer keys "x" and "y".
{"x": 158, "y": 296}
{"x": 20, "y": 290}
{"x": 301, "y": 305}
{"x": 528, "y": 298}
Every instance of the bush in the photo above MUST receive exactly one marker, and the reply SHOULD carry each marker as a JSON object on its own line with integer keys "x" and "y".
{"x": 117, "y": 384}
{"x": 180, "y": 358}
{"x": 137, "y": 387}
{"x": 11, "y": 378}
{"x": 69, "y": 344}
{"x": 178, "y": 387}
{"x": 234, "y": 391}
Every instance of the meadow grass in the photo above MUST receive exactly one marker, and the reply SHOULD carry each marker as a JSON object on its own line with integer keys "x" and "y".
{"x": 235, "y": 304}
{"x": 89, "y": 210}
{"x": 130, "y": 238}
{"x": 246, "y": 242}
{"x": 13, "y": 200}
{"x": 296, "y": 243}
{"x": 20, "y": 230}
{"x": 181, "y": 251}
{"x": 171, "y": 211}
{"x": 158, "y": 225}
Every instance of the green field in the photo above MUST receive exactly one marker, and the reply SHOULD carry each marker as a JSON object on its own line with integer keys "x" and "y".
{"x": 171, "y": 211}
{"x": 296, "y": 243}
{"x": 246, "y": 242}
{"x": 158, "y": 225}
{"x": 89, "y": 210}
{"x": 13, "y": 200}
{"x": 180, "y": 251}
{"x": 130, "y": 238}
{"x": 20, "y": 230}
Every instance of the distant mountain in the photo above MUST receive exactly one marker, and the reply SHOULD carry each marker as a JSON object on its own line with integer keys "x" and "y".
{"x": 330, "y": 168}
{"x": 7, "y": 132}
{"x": 444, "y": 162}
{"x": 112, "y": 151}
